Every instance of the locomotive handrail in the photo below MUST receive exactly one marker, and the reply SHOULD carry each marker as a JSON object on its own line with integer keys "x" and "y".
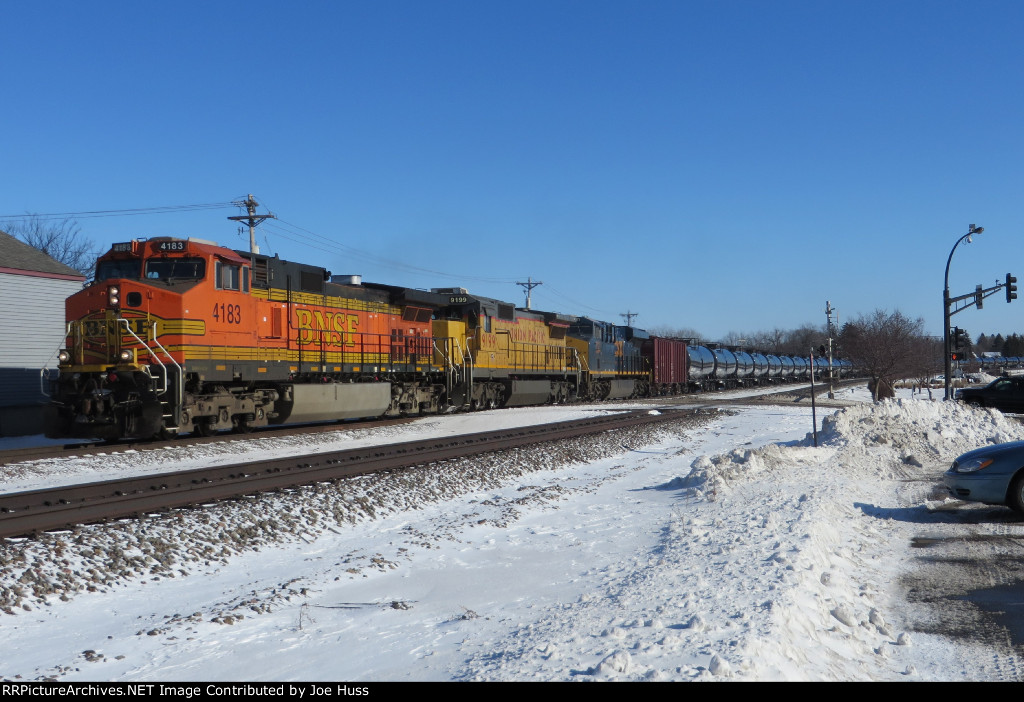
{"x": 579, "y": 365}
{"x": 128, "y": 328}
{"x": 447, "y": 352}
{"x": 530, "y": 351}
{"x": 155, "y": 357}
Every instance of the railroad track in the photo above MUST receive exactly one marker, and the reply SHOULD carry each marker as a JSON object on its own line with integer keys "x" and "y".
{"x": 30, "y": 512}
{"x": 37, "y": 453}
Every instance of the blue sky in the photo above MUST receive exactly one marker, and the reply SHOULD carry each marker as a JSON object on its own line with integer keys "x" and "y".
{"x": 725, "y": 166}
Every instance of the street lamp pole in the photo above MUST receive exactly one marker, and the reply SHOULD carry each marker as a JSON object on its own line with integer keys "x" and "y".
{"x": 946, "y": 350}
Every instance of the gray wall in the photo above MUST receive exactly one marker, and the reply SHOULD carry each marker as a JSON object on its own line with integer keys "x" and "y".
{"x": 31, "y": 332}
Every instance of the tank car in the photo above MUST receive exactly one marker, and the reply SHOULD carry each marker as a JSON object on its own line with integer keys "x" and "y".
{"x": 701, "y": 363}
{"x": 744, "y": 367}
{"x": 760, "y": 367}
{"x": 725, "y": 367}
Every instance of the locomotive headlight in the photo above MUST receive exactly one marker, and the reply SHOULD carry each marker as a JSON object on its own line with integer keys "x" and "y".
{"x": 63, "y": 356}
{"x": 114, "y": 296}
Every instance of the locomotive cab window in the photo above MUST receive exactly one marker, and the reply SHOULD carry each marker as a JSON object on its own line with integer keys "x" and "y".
{"x": 231, "y": 277}
{"x": 106, "y": 270}
{"x": 175, "y": 269}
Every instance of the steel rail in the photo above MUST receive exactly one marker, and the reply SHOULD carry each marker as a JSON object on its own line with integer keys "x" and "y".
{"x": 30, "y": 512}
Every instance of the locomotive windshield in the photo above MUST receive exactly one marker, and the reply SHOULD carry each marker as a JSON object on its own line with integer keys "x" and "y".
{"x": 175, "y": 268}
{"x": 125, "y": 268}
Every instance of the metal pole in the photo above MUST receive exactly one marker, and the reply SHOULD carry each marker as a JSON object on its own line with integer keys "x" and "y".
{"x": 946, "y": 350}
{"x": 828, "y": 312}
{"x": 814, "y": 409}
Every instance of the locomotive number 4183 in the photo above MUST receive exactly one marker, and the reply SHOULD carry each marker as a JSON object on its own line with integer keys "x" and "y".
{"x": 230, "y": 314}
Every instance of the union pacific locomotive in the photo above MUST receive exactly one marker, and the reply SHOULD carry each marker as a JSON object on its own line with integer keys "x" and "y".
{"x": 182, "y": 335}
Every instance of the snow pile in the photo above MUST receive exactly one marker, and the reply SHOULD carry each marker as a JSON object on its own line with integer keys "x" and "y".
{"x": 924, "y": 431}
{"x": 709, "y": 476}
{"x": 798, "y": 522}
{"x": 726, "y": 548}
{"x": 59, "y": 565}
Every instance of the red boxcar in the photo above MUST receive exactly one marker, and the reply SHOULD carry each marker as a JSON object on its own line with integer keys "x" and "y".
{"x": 668, "y": 363}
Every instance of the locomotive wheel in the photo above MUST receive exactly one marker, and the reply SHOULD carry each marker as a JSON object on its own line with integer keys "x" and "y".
{"x": 203, "y": 427}
{"x": 166, "y": 434}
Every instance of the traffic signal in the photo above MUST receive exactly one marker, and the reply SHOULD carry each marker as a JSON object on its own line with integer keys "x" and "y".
{"x": 979, "y": 296}
{"x": 960, "y": 340}
{"x": 1011, "y": 287}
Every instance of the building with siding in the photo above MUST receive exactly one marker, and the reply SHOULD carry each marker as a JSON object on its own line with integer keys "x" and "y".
{"x": 33, "y": 288}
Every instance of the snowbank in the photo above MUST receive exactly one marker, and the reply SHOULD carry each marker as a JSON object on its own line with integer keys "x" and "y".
{"x": 726, "y": 550}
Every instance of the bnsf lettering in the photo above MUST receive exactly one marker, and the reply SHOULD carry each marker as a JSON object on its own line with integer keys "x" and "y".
{"x": 100, "y": 328}
{"x": 330, "y": 328}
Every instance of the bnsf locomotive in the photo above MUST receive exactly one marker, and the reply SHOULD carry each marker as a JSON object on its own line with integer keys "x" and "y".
{"x": 183, "y": 335}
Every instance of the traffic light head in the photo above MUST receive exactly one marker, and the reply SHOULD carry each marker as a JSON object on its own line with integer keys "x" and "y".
{"x": 1011, "y": 287}
{"x": 960, "y": 340}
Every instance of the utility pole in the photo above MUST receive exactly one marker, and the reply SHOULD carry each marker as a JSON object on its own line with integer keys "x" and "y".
{"x": 628, "y": 316}
{"x": 253, "y": 219}
{"x": 530, "y": 284}
{"x": 829, "y": 309}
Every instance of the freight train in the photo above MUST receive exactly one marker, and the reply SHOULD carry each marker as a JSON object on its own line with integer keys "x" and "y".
{"x": 185, "y": 336}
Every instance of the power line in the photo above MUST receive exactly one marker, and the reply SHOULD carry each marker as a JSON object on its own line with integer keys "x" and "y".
{"x": 123, "y": 213}
{"x": 299, "y": 235}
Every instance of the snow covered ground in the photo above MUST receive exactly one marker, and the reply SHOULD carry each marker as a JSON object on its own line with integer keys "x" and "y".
{"x": 724, "y": 549}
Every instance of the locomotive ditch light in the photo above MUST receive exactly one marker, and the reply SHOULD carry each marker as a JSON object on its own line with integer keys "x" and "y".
{"x": 127, "y": 356}
{"x": 63, "y": 356}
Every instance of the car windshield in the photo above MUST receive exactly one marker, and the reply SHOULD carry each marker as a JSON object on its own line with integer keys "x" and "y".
{"x": 176, "y": 268}
{"x": 123, "y": 268}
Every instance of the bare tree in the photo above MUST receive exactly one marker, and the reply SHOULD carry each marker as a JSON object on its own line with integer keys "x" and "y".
{"x": 768, "y": 341}
{"x": 889, "y": 347}
{"x": 799, "y": 342}
{"x": 675, "y": 332}
{"x": 63, "y": 241}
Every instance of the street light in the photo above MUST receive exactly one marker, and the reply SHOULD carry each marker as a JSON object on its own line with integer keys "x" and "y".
{"x": 945, "y": 308}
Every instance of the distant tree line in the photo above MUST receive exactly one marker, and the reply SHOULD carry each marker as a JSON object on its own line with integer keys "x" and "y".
{"x": 1012, "y": 345}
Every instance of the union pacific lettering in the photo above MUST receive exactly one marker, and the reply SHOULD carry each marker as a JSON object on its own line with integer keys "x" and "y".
{"x": 330, "y": 328}
{"x": 533, "y": 334}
